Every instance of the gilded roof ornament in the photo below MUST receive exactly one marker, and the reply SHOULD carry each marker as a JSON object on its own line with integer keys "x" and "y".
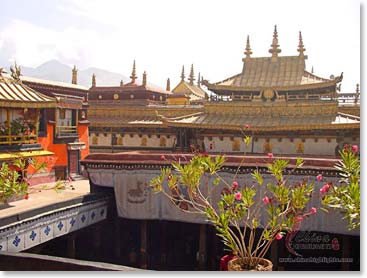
{"x": 183, "y": 73}
{"x": 121, "y": 83}
{"x": 15, "y": 71}
{"x": 93, "y": 80}
{"x": 144, "y": 79}
{"x": 133, "y": 74}
{"x": 168, "y": 85}
{"x": 74, "y": 78}
{"x": 301, "y": 49}
{"x": 199, "y": 80}
{"x": 248, "y": 51}
{"x": 191, "y": 77}
{"x": 275, "y": 50}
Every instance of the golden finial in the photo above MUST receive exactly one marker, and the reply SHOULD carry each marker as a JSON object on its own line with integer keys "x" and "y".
{"x": 133, "y": 74}
{"x": 168, "y": 86}
{"x": 74, "y": 78}
{"x": 15, "y": 71}
{"x": 191, "y": 77}
{"x": 93, "y": 80}
{"x": 183, "y": 73}
{"x": 144, "y": 79}
{"x": 301, "y": 48}
{"x": 248, "y": 51}
{"x": 121, "y": 83}
{"x": 274, "y": 50}
{"x": 199, "y": 80}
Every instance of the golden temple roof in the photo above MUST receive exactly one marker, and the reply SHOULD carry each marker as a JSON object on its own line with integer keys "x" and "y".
{"x": 193, "y": 91}
{"x": 287, "y": 71}
{"x": 274, "y": 72}
{"x": 13, "y": 93}
{"x": 238, "y": 122}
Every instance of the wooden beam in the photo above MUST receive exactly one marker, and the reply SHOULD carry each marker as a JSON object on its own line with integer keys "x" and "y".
{"x": 202, "y": 247}
{"x": 143, "y": 244}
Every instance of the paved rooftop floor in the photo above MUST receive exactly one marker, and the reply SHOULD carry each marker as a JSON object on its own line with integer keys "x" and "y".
{"x": 40, "y": 197}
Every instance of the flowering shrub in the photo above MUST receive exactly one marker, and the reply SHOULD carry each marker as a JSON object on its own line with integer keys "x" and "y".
{"x": 236, "y": 216}
{"x": 346, "y": 195}
{"x": 13, "y": 180}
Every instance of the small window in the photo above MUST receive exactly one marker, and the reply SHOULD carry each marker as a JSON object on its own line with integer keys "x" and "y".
{"x": 163, "y": 141}
{"x": 236, "y": 145}
{"x": 94, "y": 140}
{"x": 144, "y": 141}
{"x": 62, "y": 114}
{"x": 120, "y": 140}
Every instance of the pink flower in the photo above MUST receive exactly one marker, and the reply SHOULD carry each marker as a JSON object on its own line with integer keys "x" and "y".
{"x": 313, "y": 211}
{"x": 355, "y": 148}
{"x": 247, "y": 126}
{"x": 270, "y": 155}
{"x": 234, "y": 185}
{"x": 319, "y": 177}
{"x": 299, "y": 218}
{"x": 279, "y": 236}
{"x": 266, "y": 200}
{"x": 325, "y": 188}
{"x": 163, "y": 157}
{"x": 238, "y": 196}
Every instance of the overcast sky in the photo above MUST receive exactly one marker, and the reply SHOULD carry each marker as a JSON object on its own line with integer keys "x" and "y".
{"x": 163, "y": 35}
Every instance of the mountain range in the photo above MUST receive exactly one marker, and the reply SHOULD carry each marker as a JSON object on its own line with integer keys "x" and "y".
{"x": 57, "y": 71}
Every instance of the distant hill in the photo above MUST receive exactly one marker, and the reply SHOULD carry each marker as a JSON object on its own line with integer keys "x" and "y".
{"x": 57, "y": 71}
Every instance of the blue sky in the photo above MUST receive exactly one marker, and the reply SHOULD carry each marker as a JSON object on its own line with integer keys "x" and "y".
{"x": 164, "y": 35}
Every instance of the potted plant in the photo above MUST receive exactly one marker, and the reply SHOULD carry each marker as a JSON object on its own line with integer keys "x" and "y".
{"x": 345, "y": 196}
{"x": 14, "y": 181}
{"x": 237, "y": 215}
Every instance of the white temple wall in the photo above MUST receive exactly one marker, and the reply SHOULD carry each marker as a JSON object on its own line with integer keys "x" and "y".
{"x": 322, "y": 146}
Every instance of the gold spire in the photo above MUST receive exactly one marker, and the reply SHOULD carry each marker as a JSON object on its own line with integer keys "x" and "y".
{"x": 133, "y": 74}
{"x": 74, "y": 78}
{"x": 121, "y": 83}
{"x": 301, "y": 48}
{"x": 144, "y": 79}
{"x": 93, "y": 80}
{"x": 191, "y": 77}
{"x": 199, "y": 80}
{"x": 183, "y": 73}
{"x": 168, "y": 86}
{"x": 274, "y": 50}
{"x": 248, "y": 51}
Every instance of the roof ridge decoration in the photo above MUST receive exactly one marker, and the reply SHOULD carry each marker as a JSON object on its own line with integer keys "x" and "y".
{"x": 144, "y": 78}
{"x": 15, "y": 72}
{"x": 74, "y": 78}
{"x": 248, "y": 51}
{"x": 191, "y": 77}
{"x": 301, "y": 49}
{"x": 93, "y": 80}
{"x": 168, "y": 85}
{"x": 275, "y": 50}
{"x": 199, "y": 80}
{"x": 133, "y": 74}
{"x": 183, "y": 73}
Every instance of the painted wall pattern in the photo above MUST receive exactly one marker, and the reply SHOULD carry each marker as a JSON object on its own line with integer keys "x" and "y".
{"x": 36, "y": 230}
